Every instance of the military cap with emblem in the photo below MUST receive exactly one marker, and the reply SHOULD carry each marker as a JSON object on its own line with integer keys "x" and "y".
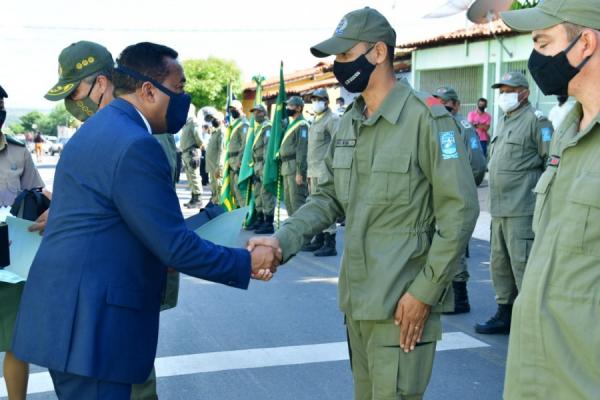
{"x": 446, "y": 93}
{"x": 512, "y": 79}
{"x": 259, "y": 107}
{"x": 363, "y": 25}
{"x": 76, "y": 62}
{"x": 549, "y": 13}
{"x": 295, "y": 101}
{"x": 320, "y": 94}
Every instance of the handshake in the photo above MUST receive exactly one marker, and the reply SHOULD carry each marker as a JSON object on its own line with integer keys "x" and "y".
{"x": 266, "y": 256}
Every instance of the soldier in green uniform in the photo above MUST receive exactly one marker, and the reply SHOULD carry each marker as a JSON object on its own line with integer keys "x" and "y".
{"x": 449, "y": 99}
{"x": 190, "y": 145}
{"x": 553, "y": 348}
{"x": 517, "y": 153}
{"x": 214, "y": 154}
{"x": 320, "y": 134}
{"x": 399, "y": 171}
{"x": 265, "y": 201}
{"x": 85, "y": 85}
{"x": 17, "y": 172}
{"x": 237, "y": 142}
{"x": 292, "y": 155}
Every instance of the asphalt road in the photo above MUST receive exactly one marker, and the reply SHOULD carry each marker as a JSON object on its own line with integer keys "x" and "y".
{"x": 285, "y": 339}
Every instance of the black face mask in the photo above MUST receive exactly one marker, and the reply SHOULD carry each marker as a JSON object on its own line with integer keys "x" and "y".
{"x": 553, "y": 73}
{"x": 235, "y": 113}
{"x": 354, "y": 75}
{"x": 481, "y": 108}
{"x": 290, "y": 112}
{"x": 2, "y": 117}
{"x": 260, "y": 118}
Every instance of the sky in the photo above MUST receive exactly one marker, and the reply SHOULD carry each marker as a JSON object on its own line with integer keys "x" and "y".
{"x": 256, "y": 34}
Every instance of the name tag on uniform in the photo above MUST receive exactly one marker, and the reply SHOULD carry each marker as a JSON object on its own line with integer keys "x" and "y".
{"x": 345, "y": 143}
{"x": 553, "y": 161}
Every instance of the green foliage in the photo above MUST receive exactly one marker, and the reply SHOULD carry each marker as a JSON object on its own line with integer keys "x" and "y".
{"x": 45, "y": 123}
{"x": 207, "y": 81}
{"x": 521, "y": 4}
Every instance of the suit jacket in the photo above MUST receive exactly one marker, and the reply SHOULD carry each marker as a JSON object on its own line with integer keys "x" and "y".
{"x": 91, "y": 303}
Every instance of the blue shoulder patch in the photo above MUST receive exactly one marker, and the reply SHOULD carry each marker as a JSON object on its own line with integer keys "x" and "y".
{"x": 474, "y": 142}
{"x": 546, "y": 134}
{"x": 303, "y": 132}
{"x": 448, "y": 145}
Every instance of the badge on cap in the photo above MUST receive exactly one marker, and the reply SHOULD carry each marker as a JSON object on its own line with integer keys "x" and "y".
{"x": 448, "y": 145}
{"x": 341, "y": 26}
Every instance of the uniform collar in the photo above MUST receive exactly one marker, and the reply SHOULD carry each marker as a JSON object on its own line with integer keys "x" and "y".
{"x": 390, "y": 108}
{"x": 573, "y": 119}
{"x": 518, "y": 111}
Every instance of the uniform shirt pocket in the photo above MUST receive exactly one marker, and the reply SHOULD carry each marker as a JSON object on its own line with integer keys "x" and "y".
{"x": 342, "y": 171}
{"x": 514, "y": 146}
{"x": 581, "y": 231}
{"x": 540, "y": 190}
{"x": 390, "y": 179}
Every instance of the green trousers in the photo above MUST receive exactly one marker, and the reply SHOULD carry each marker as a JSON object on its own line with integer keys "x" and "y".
{"x": 264, "y": 200}
{"x": 294, "y": 195}
{"x": 215, "y": 187}
{"x": 192, "y": 174}
{"x": 462, "y": 271}
{"x": 314, "y": 182}
{"x": 511, "y": 242}
{"x": 380, "y": 368}
{"x": 240, "y": 199}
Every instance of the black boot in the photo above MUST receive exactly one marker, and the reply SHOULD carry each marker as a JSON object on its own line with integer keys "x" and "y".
{"x": 328, "y": 249}
{"x": 266, "y": 228}
{"x": 499, "y": 323}
{"x": 194, "y": 202}
{"x": 461, "y": 298}
{"x": 259, "y": 221}
{"x": 315, "y": 244}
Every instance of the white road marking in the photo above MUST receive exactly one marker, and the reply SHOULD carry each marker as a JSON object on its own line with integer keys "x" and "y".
{"x": 332, "y": 280}
{"x": 253, "y": 358}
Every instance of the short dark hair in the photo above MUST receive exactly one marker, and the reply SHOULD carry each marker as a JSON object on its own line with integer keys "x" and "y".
{"x": 482, "y": 99}
{"x": 149, "y": 59}
{"x": 107, "y": 72}
{"x": 391, "y": 50}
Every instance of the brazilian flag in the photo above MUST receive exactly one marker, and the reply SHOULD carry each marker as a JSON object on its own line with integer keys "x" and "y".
{"x": 272, "y": 180}
{"x": 227, "y": 199}
{"x": 247, "y": 168}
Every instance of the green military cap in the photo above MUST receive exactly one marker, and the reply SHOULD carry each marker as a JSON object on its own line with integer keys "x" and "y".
{"x": 3, "y": 93}
{"x": 363, "y": 25}
{"x": 446, "y": 93}
{"x": 76, "y": 62}
{"x": 295, "y": 101}
{"x": 259, "y": 107}
{"x": 320, "y": 94}
{"x": 513, "y": 79}
{"x": 549, "y": 13}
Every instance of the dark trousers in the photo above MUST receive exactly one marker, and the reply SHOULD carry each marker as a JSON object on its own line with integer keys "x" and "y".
{"x": 76, "y": 387}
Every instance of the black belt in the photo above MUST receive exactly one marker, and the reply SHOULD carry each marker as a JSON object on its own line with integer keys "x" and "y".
{"x": 288, "y": 158}
{"x": 234, "y": 153}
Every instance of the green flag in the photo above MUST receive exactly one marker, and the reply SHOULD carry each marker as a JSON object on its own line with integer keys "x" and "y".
{"x": 227, "y": 200}
{"x": 272, "y": 175}
{"x": 246, "y": 169}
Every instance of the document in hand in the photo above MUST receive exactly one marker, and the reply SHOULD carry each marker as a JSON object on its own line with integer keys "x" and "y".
{"x": 226, "y": 229}
{"x": 24, "y": 245}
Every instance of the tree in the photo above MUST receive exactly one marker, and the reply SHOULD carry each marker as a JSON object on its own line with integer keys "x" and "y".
{"x": 58, "y": 116}
{"x": 207, "y": 81}
{"x": 521, "y": 4}
{"x": 30, "y": 119}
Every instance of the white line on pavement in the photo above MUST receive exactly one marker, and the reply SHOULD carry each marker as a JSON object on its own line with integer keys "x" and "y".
{"x": 253, "y": 358}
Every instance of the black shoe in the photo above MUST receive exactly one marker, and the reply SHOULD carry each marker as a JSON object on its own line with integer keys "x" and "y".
{"x": 315, "y": 244}
{"x": 194, "y": 202}
{"x": 499, "y": 323}
{"x": 461, "y": 298}
{"x": 328, "y": 249}
{"x": 266, "y": 228}
{"x": 259, "y": 221}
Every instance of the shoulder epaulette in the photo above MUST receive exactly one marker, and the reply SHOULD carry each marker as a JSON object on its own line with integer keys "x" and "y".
{"x": 12, "y": 140}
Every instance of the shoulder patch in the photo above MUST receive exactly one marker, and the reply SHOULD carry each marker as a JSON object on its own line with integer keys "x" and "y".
{"x": 448, "y": 145}
{"x": 303, "y": 131}
{"x": 546, "y": 133}
{"x": 244, "y": 129}
{"x": 10, "y": 139}
{"x": 465, "y": 124}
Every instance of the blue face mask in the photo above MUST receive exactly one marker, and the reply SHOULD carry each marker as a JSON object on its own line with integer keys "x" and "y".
{"x": 179, "y": 103}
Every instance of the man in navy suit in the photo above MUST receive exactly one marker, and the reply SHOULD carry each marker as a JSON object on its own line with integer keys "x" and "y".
{"x": 90, "y": 307}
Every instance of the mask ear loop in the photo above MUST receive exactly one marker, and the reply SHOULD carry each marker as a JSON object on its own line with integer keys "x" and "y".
{"x": 570, "y": 46}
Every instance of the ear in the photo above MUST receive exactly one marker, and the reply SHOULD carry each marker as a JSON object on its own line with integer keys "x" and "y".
{"x": 380, "y": 51}
{"x": 147, "y": 92}
{"x": 102, "y": 83}
{"x": 589, "y": 39}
